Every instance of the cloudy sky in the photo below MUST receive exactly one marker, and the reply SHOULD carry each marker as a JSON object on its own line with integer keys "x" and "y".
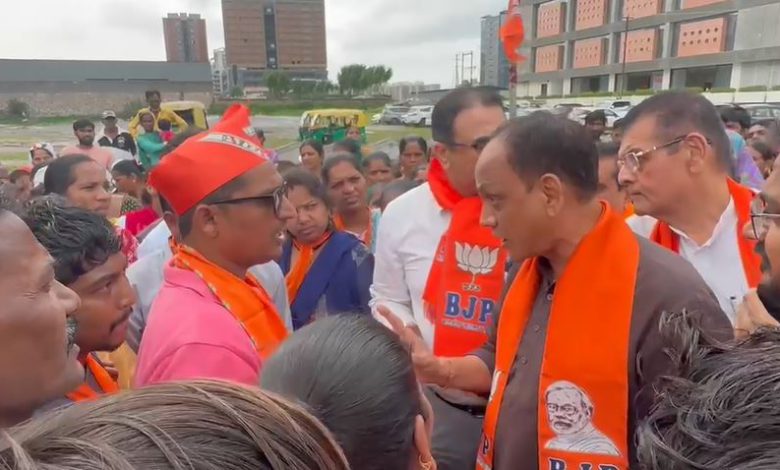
{"x": 417, "y": 38}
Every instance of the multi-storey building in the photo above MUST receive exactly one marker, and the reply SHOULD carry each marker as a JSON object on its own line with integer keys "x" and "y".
{"x": 494, "y": 66}
{"x": 267, "y": 35}
{"x": 579, "y": 46}
{"x": 219, "y": 72}
{"x": 185, "y": 38}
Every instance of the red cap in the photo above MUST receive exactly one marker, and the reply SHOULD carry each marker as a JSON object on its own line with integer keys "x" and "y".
{"x": 208, "y": 161}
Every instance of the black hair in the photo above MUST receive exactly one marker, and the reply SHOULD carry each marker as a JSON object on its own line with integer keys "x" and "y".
{"x": 448, "y": 108}
{"x": 394, "y": 189}
{"x": 337, "y": 160}
{"x": 349, "y": 146}
{"x": 179, "y": 139}
{"x": 618, "y": 124}
{"x": 82, "y": 124}
{"x": 736, "y": 114}
{"x": 596, "y": 116}
{"x": 77, "y": 239}
{"x": 283, "y": 166}
{"x": 14, "y": 176}
{"x": 764, "y": 150}
{"x": 305, "y": 179}
{"x": 677, "y": 113}
{"x": 541, "y": 143}
{"x": 164, "y": 124}
{"x": 259, "y": 133}
{"x": 59, "y": 174}
{"x": 608, "y": 149}
{"x": 719, "y": 409}
{"x": 413, "y": 139}
{"x": 377, "y": 157}
{"x": 316, "y": 145}
{"x": 222, "y": 194}
{"x": 357, "y": 377}
{"x": 128, "y": 168}
{"x": 150, "y": 93}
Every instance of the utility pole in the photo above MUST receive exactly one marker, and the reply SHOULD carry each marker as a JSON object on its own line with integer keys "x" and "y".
{"x": 623, "y": 78}
{"x": 457, "y": 77}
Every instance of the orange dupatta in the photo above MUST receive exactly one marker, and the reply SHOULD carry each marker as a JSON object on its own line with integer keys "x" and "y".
{"x": 586, "y": 355}
{"x": 104, "y": 380}
{"x": 366, "y": 237}
{"x": 245, "y": 299}
{"x": 751, "y": 261}
{"x": 298, "y": 272}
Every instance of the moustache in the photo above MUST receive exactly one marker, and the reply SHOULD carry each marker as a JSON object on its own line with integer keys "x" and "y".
{"x": 70, "y": 328}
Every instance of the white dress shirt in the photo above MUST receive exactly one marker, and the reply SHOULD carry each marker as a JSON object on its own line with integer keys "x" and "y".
{"x": 718, "y": 260}
{"x": 146, "y": 277}
{"x": 409, "y": 233}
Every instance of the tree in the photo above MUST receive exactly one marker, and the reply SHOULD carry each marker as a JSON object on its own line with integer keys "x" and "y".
{"x": 236, "y": 92}
{"x": 278, "y": 84}
{"x": 357, "y": 78}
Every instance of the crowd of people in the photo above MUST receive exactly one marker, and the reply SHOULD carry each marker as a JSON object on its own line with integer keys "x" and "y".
{"x": 523, "y": 294}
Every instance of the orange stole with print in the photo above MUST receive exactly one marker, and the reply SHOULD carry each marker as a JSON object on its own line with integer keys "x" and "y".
{"x": 467, "y": 275}
{"x": 583, "y": 389}
{"x": 104, "y": 380}
{"x": 245, "y": 299}
{"x": 751, "y": 261}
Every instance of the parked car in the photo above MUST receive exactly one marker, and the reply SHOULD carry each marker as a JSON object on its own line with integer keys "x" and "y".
{"x": 578, "y": 114}
{"x": 760, "y": 111}
{"x": 418, "y": 116}
{"x": 615, "y": 105}
{"x": 393, "y": 114}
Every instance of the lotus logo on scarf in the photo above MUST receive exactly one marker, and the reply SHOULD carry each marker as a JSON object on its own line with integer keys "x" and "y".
{"x": 475, "y": 260}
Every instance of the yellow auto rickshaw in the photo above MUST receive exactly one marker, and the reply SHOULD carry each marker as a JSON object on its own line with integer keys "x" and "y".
{"x": 331, "y": 125}
{"x": 194, "y": 112}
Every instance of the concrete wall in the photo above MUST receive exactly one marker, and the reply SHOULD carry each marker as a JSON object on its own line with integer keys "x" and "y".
{"x": 88, "y": 103}
{"x": 757, "y": 27}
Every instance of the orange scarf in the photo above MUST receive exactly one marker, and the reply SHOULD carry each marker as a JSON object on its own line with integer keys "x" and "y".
{"x": 584, "y": 377}
{"x": 104, "y": 380}
{"x": 467, "y": 274}
{"x": 751, "y": 261}
{"x": 298, "y": 272}
{"x": 245, "y": 299}
{"x": 366, "y": 237}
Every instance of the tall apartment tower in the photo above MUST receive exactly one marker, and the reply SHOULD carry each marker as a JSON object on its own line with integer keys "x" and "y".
{"x": 494, "y": 66}
{"x": 267, "y": 35}
{"x": 185, "y": 38}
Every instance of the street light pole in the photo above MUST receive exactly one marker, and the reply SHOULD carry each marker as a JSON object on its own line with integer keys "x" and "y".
{"x": 623, "y": 83}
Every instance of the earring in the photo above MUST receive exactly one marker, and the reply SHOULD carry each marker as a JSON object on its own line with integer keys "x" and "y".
{"x": 426, "y": 465}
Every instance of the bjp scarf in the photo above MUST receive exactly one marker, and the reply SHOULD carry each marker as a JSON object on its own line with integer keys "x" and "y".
{"x": 103, "y": 378}
{"x": 245, "y": 299}
{"x": 467, "y": 274}
{"x": 586, "y": 353}
{"x": 751, "y": 261}
{"x": 298, "y": 272}
{"x": 366, "y": 237}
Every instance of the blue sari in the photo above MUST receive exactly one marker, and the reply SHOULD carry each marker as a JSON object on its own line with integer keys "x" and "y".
{"x": 338, "y": 281}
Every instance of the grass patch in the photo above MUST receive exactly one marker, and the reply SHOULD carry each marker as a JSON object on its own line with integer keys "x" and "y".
{"x": 397, "y": 133}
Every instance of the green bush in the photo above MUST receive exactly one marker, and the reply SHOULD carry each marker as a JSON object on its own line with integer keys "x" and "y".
{"x": 754, "y": 88}
{"x": 129, "y": 110}
{"x": 722, "y": 90}
{"x": 17, "y": 108}
{"x": 776, "y": 88}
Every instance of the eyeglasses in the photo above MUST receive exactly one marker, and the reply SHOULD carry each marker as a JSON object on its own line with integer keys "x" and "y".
{"x": 761, "y": 223}
{"x": 633, "y": 160}
{"x": 478, "y": 145}
{"x": 277, "y": 196}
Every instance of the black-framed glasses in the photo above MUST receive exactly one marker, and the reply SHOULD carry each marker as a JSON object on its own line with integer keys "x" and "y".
{"x": 277, "y": 196}
{"x": 761, "y": 222}
{"x": 633, "y": 160}
{"x": 478, "y": 145}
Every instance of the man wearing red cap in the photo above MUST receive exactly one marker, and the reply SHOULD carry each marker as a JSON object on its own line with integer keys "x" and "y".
{"x": 211, "y": 319}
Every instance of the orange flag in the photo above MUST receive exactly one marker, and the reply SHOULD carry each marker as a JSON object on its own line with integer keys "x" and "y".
{"x": 513, "y": 32}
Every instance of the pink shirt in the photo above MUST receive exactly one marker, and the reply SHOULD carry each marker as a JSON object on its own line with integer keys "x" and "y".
{"x": 190, "y": 335}
{"x": 96, "y": 152}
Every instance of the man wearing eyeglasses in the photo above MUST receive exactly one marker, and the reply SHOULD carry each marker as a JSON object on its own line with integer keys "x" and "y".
{"x": 675, "y": 162}
{"x": 211, "y": 318}
{"x": 437, "y": 269}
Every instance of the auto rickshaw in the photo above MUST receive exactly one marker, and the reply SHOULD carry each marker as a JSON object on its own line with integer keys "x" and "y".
{"x": 330, "y": 125}
{"x": 194, "y": 112}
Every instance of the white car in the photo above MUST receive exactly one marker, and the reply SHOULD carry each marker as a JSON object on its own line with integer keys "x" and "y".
{"x": 418, "y": 116}
{"x": 612, "y": 115}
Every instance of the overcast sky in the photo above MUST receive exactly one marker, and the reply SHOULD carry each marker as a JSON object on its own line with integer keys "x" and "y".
{"x": 417, "y": 38}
